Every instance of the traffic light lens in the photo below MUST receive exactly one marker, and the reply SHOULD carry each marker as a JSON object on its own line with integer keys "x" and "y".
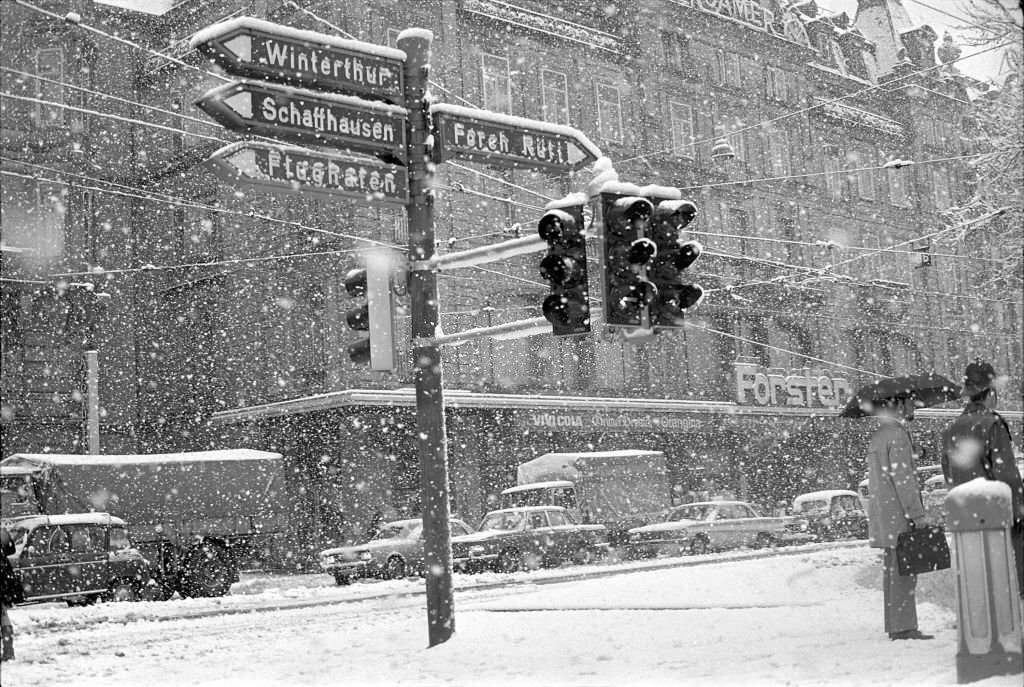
{"x": 359, "y": 318}
{"x": 565, "y": 309}
{"x": 688, "y": 254}
{"x": 558, "y": 269}
{"x": 641, "y": 251}
{"x": 355, "y": 283}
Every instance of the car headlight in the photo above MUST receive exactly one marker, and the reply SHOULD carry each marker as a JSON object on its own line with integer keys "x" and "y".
{"x": 365, "y": 555}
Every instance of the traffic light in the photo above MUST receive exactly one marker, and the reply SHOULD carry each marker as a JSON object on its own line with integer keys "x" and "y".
{"x": 628, "y": 254}
{"x": 567, "y": 308}
{"x": 643, "y": 259}
{"x": 375, "y": 316}
{"x": 673, "y": 256}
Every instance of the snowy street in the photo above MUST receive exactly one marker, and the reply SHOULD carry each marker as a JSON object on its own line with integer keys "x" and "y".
{"x": 803, "y": 619}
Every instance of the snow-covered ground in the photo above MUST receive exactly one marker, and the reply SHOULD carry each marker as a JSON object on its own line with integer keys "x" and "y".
{"x": 804, "y": 619}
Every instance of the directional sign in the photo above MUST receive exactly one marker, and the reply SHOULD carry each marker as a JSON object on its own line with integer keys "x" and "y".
{"x": 259, "y": 49}
{"x": 322, "y": 119}
{"x": 280, "y": 169}
{"x": 508, "y": 141}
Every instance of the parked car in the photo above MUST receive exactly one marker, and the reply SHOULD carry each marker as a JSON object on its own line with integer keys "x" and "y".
{"x": 528, "y": 537}
{"x": 393, "y": 553}
{"x": 78, "y": 558}
{"x": 833, "y": 514}
{"x": 714, "y": 525}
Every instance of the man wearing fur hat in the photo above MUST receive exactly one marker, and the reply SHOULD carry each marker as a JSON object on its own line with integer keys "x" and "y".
{"x": 978, "y": 444}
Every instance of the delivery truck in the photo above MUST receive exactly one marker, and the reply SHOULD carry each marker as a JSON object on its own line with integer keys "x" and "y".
{"x": 617, "y": 489}
{"x": 195, "y": 516}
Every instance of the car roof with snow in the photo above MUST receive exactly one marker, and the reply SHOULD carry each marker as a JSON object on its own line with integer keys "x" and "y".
{"x": 826, "y": 494}
{"x": 522, "y": 509}
{"x": 30, "y": 521}
{"x": 722, "y": 502}
{"x": 551, "y": 484}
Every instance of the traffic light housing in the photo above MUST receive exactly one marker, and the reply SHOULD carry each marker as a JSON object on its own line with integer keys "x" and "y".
{"x": 643, "y": 258}
{"x": 674, "y": 255}
{"x": 567, "y": 307}
{"x": 627, "y": 254}
{"x": 375, "y": 317}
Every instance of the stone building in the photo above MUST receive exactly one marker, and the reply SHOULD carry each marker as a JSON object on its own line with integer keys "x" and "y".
{"x": 226, "y": 325}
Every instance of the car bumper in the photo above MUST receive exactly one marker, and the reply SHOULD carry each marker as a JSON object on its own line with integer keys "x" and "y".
{"x": 474, "y": 562}
{"x": 351, "y": 568}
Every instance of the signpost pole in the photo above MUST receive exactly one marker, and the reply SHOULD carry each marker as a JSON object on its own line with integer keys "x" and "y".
{"x": 431, "y": 437}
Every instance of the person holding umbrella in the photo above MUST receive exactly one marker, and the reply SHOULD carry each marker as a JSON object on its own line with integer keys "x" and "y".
{"x": 895, "y": 505}
{"x": 978, "y": 444}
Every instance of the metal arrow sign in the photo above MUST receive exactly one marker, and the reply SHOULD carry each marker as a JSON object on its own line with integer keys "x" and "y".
{"x": 259, "y": 49}
{"x": 280, "y": 169}
{"x": 321, "y": 119}
{"x": 507, "y": 141}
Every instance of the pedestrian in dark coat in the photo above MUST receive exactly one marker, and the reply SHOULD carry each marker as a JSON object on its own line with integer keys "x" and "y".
{"x": 893, "y": 507}
{"x": 978, "y": 444}
{"x": 10, "y": 594}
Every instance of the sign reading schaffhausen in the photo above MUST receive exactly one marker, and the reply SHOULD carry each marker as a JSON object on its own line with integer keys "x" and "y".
{"x": 259, "y": 49}
{"x": 292, "y": 114}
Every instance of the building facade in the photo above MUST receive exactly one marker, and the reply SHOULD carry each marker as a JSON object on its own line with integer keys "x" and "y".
{"x": 225, "y": 323}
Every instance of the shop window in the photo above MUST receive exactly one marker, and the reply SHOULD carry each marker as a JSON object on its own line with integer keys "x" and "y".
{"x": 554, "y": 97}
{"x": 497, "y": 84}
{"x": 609, "y": 113}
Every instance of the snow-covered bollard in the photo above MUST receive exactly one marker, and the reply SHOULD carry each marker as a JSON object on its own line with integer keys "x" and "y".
{"x": 988, "y": 605}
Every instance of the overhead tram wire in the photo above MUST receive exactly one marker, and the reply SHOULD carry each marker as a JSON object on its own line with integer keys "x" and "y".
{"x": 199, "y": 206}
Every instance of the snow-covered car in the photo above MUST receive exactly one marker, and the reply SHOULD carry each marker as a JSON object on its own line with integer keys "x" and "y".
{"x": 833, "y": 514}
{"x": 715, "y": 525}
{"x": 393, "y": 553}
{"x": 78, "y": 558}
{"x": 528, "y": 537}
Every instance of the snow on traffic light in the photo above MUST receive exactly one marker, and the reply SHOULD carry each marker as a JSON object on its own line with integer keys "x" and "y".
{"x": 375, "y": 316}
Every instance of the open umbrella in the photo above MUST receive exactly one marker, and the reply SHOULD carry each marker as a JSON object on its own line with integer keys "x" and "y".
{"x": 927, "y": 390}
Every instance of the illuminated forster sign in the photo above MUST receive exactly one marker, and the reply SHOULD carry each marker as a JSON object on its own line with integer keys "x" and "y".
{"x": 756, "y": 385}
{"x": 785, "y": 23}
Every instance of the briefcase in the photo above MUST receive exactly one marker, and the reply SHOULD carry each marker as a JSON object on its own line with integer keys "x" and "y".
{"x": 922, "y": 549}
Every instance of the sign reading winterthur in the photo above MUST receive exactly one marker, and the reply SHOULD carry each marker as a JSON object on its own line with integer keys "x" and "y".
{"x": 756, "y": 385}
{"x": 785, "y": 23}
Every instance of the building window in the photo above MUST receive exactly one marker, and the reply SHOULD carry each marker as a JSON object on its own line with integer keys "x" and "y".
{"x": 609, "y": 113}
{"x": 898, "y": 194}
{"x": 786, "y": 214}
{"x": 838, "y": 58}
{"x": 554, "y": 97}
{"x": 681, "y": 121}
{"x": 738, "y": 142}
{"x": 677, "y": 51}
{"x": 776, "y": 84}
{"x": 497, "y": 84}
{"x": 392, "y": 38}
{"x": 833, "y": 173}
{"x": 733, "y": 70}
{"x": 49, "y": 65}
{"x": 778, "y": 144}
{"x": 33, "y": 217}
{"x": 865, "y": 176}
{"x": 199, "y": 236}
{"x": 940, "y": 188}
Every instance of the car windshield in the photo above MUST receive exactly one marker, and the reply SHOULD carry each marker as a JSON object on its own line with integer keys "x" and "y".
{"x": 502, "y": 521}
{"x": 691, "y": 513}
{"x": 394, "y": 531}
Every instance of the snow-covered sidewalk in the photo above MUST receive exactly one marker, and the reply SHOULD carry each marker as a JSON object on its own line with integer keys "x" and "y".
{"x": 789, "y": 620}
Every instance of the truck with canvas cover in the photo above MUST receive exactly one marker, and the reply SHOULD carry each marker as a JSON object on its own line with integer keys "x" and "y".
{"x": 617, "y": 489}
{"x": 196, "y": 516}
